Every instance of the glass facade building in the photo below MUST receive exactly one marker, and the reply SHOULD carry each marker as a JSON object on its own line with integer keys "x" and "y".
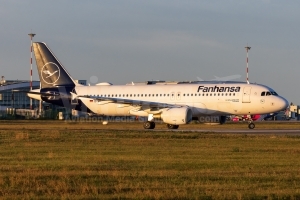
{"x": 11, "y": 95}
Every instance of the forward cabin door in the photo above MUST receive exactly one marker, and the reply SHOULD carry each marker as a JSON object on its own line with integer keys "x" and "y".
{"x": 246, "y": 94}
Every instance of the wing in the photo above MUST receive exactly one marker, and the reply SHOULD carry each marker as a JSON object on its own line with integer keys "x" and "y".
{"x": 141, "y": 103}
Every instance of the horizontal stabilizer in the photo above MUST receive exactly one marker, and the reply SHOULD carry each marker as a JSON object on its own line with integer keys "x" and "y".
{"x": 38, "y": 93}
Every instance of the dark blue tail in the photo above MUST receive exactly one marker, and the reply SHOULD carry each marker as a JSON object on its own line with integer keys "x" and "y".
{"x": 51, "y": 72}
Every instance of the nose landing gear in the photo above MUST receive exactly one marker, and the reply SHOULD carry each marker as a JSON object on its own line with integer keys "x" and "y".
{"x": 251, "y": 125}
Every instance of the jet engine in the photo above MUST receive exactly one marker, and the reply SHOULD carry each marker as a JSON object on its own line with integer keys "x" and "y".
{"x": 177, "y": 116}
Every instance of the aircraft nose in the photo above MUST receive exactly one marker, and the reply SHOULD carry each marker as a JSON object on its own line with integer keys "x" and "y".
{"x": 282, "y": 103}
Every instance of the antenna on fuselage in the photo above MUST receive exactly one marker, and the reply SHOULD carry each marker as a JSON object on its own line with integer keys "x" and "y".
{"x": 247, "y": 71}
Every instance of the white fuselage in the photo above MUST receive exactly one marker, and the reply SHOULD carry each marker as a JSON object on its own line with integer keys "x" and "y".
{"x": 203, "y": 99}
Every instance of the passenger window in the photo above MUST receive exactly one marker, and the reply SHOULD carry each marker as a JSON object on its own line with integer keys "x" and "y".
{"x": 191, "y": 94}
{"x": 210, "y": 94}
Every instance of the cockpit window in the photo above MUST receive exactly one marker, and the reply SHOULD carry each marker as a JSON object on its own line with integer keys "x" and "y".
{"x": 268, "y": 93}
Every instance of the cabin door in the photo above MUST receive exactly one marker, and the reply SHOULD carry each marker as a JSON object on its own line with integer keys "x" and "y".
{"x": 246, "y": 94}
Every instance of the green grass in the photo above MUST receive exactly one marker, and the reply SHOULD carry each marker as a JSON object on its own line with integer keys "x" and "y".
{"x": 114, "y": 164}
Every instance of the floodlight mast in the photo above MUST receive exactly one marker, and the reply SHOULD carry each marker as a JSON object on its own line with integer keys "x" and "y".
{"x": 247, "y": 69}
{"x": 31, "y": 35}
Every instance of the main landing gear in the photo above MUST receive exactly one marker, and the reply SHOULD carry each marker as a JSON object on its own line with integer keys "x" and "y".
{"x": 171, "y": 126}
{"x": 151, "y": 125}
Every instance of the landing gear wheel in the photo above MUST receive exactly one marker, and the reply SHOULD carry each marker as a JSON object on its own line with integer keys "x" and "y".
{"x": 149, "y": 125}
{"x": 171, "y": 126}
{"x": 152, "y": 125}
{"x": 251, "y": 125}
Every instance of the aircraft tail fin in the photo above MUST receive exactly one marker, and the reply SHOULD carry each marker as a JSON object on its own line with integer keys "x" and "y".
{"x": 51, "y": 72}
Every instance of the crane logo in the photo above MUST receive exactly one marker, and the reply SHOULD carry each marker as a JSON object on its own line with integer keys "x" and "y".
{"x": 50, "y": 73}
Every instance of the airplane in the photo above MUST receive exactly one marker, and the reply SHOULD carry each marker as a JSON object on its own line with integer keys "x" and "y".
{"x": 246, "y": 118}
{"x": 174, "y": 104}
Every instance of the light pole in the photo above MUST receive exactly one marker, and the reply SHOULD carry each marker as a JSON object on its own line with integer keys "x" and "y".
{"x": 31, "y": 35}
{"x": 247, "y": 72}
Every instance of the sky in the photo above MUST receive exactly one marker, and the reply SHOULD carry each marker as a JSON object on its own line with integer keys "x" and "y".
{"x": 121, "y": 41}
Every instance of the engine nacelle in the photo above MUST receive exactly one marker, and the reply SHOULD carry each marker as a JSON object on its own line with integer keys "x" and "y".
{"x": 177, "y": 116}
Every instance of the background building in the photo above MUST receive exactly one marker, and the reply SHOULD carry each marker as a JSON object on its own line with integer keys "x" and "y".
{"x": 16, "y": 104}
{"x": 11, "y": 99}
